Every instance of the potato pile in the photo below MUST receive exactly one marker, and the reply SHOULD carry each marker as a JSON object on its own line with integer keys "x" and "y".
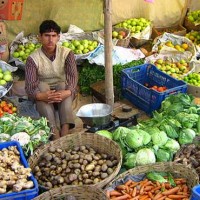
{"x": 78, "y": 166}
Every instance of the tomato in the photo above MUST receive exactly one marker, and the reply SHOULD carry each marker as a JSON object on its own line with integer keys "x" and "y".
{"x": 3, "y": 103}
{"x": 160, "y": 89}
{"x": 5, "y": 108}
{"x": 10, "y": 105}
{"x": 10, "y": 111}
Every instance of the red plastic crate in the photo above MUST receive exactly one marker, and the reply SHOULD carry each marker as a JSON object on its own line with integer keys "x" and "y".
{"x": 133, "y": 80}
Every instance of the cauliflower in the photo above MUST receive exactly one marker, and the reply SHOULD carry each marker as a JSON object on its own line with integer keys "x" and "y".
{"x": 22, "y": 137}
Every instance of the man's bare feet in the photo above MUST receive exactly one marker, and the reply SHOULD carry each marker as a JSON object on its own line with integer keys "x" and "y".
{"x": 56, "y": 134}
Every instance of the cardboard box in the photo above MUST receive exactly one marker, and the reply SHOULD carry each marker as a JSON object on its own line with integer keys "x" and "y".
{"x": 177, "y": 30}
{"x": 11, "y": 9}
{"x": 4, "y": 52}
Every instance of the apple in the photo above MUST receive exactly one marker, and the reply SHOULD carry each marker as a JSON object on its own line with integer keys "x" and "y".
{"x": 80, "y": 47}
{"x": 85, "y": 51}
{"x": 75, "y": 43}
{"x": 91, "y": 48}
{"x": 114, "y": 34}
{"x": 15, "y": 54}
{"x": 78, "y": 51}
{"x": 71, "y": 46}
{"x": 6, "y": 72}
{"x": 7, "y": 77}
{"x": 65, "y": 44}
{"x": 2, "y": 82}
{"x": 1, "y": 75}
{"x": 123, "y": 33}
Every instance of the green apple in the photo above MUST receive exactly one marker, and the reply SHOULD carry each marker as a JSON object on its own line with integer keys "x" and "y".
{"x": 6, "y": 72}
{"x": 65, "y": 44}
{"x": 91, "y": 48}
{"x": 114, "y": 34}
{"x": 75, "y": 43}
{"x": 71, "y": 46}
{"x": 15, "y": 54}
{"x": 78, "y": 51}
{"x": 2, "y": 82}
{"x": 94, "y": 44}
{"x": 85, "y": 51}
{"x": 7, "y": 77}
{"x": 80, "y": 47}
{"x": 1, "y": 75}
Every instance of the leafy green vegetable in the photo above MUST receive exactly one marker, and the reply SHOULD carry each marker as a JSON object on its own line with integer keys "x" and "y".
{"x": 130, "y": 160}
{"x": 146, "y": 137}
{"x": 186, "y": 136}
{"x": 155, "y": 176}
{"x": 120, "y": 132}
{"x": 134, "y": 139}
{"x": 170, "y": 131}
{"x": 172, "y": 145}
{"x": 105, "y": 133}
{"x": 159, "y": 138}
{"x": 163, "y": 155}
{"x": 145, "y": 156}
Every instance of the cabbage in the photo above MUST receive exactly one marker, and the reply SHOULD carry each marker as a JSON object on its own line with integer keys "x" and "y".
{"x": 120, "y": 132}
{"x": 163, "y": 155}
{"x": 130, "y": 160}
{"x": 186, "y": 136}
{"x": 145, "y": 156}
{"x": 172, "y": 145}
{"x": 159, "y": 138}
{"x": 146, "y": 137}
{"x": 105, "y": 133}
{"x": 134, "y": 139}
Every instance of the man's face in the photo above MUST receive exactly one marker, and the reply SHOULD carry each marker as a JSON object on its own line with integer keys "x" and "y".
{"x": 49, "y": 39}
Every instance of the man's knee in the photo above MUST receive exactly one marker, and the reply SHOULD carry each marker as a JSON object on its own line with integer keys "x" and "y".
{"x": 43, "y": 87}
{"x": 61, "y": 86}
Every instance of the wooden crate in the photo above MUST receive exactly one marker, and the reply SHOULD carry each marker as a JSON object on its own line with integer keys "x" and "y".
{"x": 177, "y": 30}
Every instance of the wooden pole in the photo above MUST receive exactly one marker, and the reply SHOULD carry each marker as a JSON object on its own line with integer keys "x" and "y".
{"x": 109, "y": 92}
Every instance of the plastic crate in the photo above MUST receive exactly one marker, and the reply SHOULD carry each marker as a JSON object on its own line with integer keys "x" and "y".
{"x": 148, "y": 100}
{"x": 26, "y": 194}
{"x": 195, "y": 193}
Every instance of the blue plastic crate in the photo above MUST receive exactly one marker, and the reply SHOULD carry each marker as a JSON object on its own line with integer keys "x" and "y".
{"x": 26, "y": 194}
{"x": 133, "y": 80}
{"x": 195, "y": 193}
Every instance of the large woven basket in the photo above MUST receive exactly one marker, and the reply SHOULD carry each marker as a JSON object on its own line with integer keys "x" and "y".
{"x": 176, "y": 169}
{"x": 97, "y": 142}
{"x": 79, "y": 192}
{"x": 190, "y": 26}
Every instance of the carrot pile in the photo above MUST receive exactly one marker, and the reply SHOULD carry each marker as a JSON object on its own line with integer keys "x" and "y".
{"x": 149, "y": 190}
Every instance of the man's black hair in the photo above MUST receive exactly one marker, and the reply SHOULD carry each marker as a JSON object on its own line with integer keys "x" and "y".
{"x": 49, "y": 26}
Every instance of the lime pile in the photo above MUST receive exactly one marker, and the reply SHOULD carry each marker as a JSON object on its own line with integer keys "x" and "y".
{"x": 194, "y": 16}
{"x": 193, "y": 79}
{"x": 24, "y": 50}
{"x": 81, "y": 46}
{"x": 5, "y": 77}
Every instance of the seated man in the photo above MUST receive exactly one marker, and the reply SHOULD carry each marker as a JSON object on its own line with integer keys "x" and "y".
{"x": 51, "y": 79}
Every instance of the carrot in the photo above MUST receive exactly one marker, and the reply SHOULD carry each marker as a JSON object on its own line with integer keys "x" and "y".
{"x": 150, "y": 195}
{"x": 148, "y": 188}
{"x": 148, "y": 183}
{"x": 158, "y": 183}
{"x": 128, "y": 182}
{"x": 134, "y": 184}
{"x": 176, "y": 196}
{"x": 162, "y": 198}
{"x": 141, "y": 189}
{"x": 115, "y": 193}
{"x": 156, "y": 188}
{"x": 167, "y": 198}
{"x": 123, "y": 197}
{"x": 134, "y": 192}
{"x": 143, "y": 197}
{"x": 121, "y": 187}
{"x": 171, "y": 191}
{"x": 157, "y": 196}
{"x": 185, "y": 189}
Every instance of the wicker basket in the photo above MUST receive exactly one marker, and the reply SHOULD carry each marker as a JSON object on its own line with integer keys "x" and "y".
{"x": 123, "y": 42}
{"x": 98, "y": 142}
{"x": 190, "y": 26}
{"x": 176, "y": 169}
{"x": 79, "y": 192}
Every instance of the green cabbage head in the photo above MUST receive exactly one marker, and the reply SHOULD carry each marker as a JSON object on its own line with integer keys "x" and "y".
{"x": 159, "y": 138}
{"x": 145, "y": 156}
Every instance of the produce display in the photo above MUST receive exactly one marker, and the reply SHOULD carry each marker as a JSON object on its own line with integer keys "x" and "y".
{"x": 5, "y": 77}
{"x": 14, "y": 176}
{"x": 78, "y": 166}
{"x": 81, "y": 46}
{"x": 156, "y": 87}
{"x": 119, "y": 34}
{"x": 158, "y": 139}
{"x": 156, "y": 185}
{"x": 7, "y": 107}
{"x": 175, "y": 69}
{"x": 193, "y": 79}
{"x": 194, "y": 16}
{"x": 24, "y": 50}
{"x": 135, "y": 25}
{"x": 179, "y": 47}
{"x": 28, "y": 132}
{"x": 194, "y": 36}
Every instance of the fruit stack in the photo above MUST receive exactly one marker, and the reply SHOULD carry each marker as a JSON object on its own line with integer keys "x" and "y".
{"x": 122, "y": 35}
{"x": 83, "y": 46}
{"x": 194, "y": 36}
{"x": 24, "y": 50}
{"x": 192, "y": 20}
{"x": 5, "y": 77}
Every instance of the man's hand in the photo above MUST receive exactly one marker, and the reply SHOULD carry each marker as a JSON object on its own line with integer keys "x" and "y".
{"x": 53, "y": 96}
